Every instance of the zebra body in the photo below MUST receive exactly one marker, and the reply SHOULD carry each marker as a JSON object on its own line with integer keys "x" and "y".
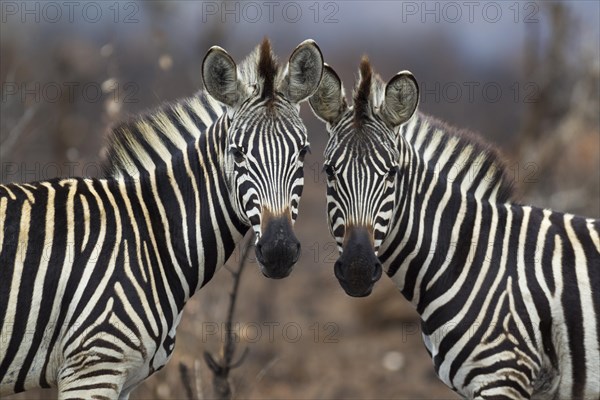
{"x": 95, "y": 272}
{"x": 103, "y": 297}
{"x": 525, "y": 281}
{"x": 509, "y": 295}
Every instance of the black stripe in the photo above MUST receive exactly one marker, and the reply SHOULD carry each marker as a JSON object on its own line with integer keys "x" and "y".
{"x": 572, "y": 306}
{"x": 44, "y": 324}
{"x": 592, "y": 257}
{"x": 533, "y": 256}
{"x": 35, "y": 252}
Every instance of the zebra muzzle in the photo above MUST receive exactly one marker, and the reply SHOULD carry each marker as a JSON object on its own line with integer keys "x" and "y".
{"x": 278, "y": 249}
{"x": 358, "y": 268}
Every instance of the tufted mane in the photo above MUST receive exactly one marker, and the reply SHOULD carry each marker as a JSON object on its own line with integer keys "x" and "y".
{"x": 267, "y": 69}
{"x": 362, "y": 92}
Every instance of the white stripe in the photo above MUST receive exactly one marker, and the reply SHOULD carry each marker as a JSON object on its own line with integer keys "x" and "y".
{"x": 86, "y": 221}
{"x": 3, "y": 204}
{"x": 590, "y": 334}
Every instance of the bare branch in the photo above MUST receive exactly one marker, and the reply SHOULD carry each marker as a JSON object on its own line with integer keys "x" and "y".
{"x": 185, "y": 378}
{"x": 222, "y": 365}
{"x": 262, "y": 373}
{"x": 198, "y": 382}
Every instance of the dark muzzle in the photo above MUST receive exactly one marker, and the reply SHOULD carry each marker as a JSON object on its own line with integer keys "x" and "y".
{"x": 358, "y": 268}
{"x": 278, "y": 248}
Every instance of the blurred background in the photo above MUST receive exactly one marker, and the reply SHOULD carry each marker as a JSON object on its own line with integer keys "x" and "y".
{"x": 523, "y": 74}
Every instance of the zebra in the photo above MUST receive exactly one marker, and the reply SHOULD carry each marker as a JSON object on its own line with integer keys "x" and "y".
{"x": 508, "y": 294}
{"x": 94, "y": 273}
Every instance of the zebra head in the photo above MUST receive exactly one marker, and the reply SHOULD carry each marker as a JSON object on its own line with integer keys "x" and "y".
{"x": 363, "y": 162}
{"x": 266, "y": 142}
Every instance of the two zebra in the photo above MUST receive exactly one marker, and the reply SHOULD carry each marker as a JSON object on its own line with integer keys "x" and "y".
{"x": 508, "y": 294}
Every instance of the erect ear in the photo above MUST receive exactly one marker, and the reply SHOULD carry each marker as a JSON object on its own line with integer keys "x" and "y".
{"x": 329, "y": 101}
{"x": 401, "y": 99}
{"x": 303, "y": 72}
{"x": 219, "y": 74}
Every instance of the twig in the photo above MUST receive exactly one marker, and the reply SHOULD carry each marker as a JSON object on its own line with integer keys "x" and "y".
{"x": 267, "y": 367}
{"x": 185, "y": 378}
{"x": 198, "y": 381}
{"x": 261, "y": 374}
{"x": 221, "y": 366}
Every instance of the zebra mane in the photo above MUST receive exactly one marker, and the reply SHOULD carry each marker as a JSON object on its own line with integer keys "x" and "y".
{"x": 261, "y": 68}
{"x": 362, "y": 92}
{"x": 369, "y": 94}
{"x": 487, "y": 170}
{"x": 153, "y": 138}
{"x": 267, "y": 69}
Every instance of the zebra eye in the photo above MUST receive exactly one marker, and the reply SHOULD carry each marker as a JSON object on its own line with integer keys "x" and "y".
{"x": 238, "y": 156}
{"x": 329, "y": 171}
{"x": 303, "y": 151}
{"x": 391, "y": 176}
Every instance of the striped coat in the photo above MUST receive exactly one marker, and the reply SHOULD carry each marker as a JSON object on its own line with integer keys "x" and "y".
{"x": 508, "y": 294}
{"x": 95, "y": 272}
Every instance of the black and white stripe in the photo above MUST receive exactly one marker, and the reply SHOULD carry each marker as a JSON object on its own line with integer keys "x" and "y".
{"x": 509, "y": 295}
{"x": 94, "y": 273}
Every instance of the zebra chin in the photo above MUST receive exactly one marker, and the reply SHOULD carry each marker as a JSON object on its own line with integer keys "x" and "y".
{"x": 358, "y": 268}
{"x": 278, "y": 249}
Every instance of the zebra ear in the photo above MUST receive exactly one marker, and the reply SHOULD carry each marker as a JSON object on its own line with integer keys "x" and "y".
{"x": 303, "y": 72}
{"x": 401, "y": 99}
{"x": 329, "y": 101}
{"x": 219, "y": 73}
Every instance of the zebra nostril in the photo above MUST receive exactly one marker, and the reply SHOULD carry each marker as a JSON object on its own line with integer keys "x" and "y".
{"x": 296, "y": 252}
{"x": 259, "y": 250}
{"x": 337, "y": 270}
{"x": 376, "y": 272}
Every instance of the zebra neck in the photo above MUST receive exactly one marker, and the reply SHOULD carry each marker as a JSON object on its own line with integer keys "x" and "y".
{"x": 193, "y": 210}
{"x": 445, "y": 181}
{"x": 430, "y": 240}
